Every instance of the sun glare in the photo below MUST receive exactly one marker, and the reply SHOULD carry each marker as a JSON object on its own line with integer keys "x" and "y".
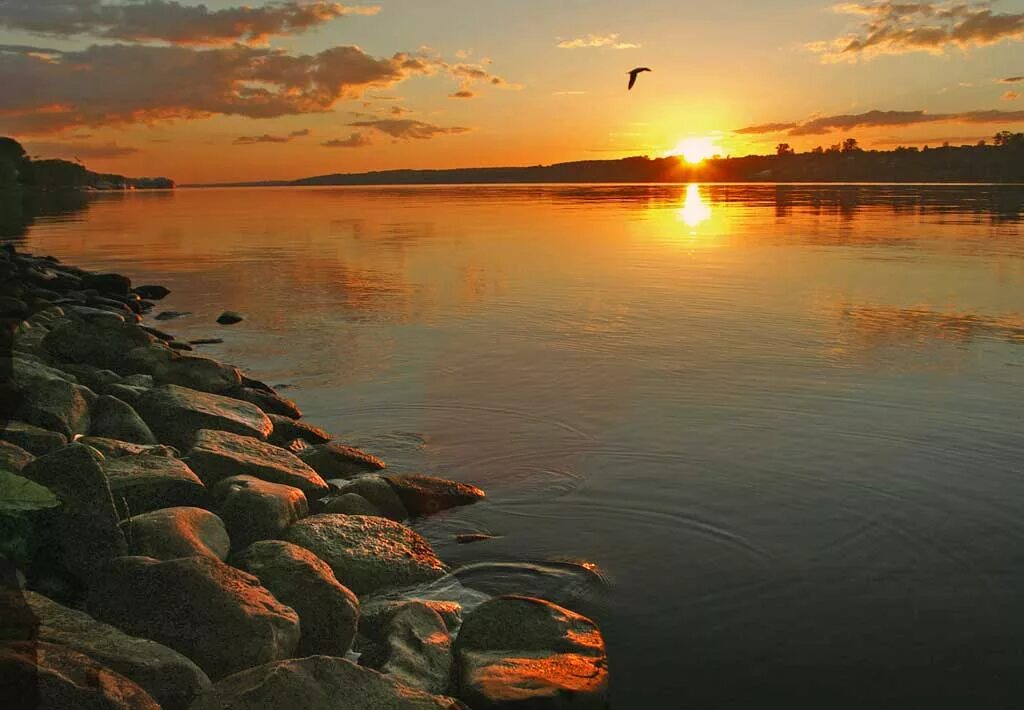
{"x": 695, "y": 149}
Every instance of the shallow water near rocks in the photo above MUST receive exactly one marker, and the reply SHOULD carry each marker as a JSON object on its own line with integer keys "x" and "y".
{"x": 769, "y": 437}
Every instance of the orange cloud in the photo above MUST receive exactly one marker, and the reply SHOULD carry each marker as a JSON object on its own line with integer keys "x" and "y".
{"x": 356, "y": 140}
{"x": 592, "y": 40}
{"x": 407, "y": 128}
{"x": 828, "y": 124}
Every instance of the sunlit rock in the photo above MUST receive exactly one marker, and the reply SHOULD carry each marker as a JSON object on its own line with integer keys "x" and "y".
{"x": 170, "y": 533}
{"x": 425, "y": 495}
{"x": 253, "y": 509}
{"x": 177, "y": 414}
{"x": 221, "y": 454}
{"x": 150, "y": 480}
{"x": 333, "y": 460}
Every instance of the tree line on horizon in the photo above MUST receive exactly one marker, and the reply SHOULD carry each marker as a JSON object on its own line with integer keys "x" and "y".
{"x": 18, "y": 170}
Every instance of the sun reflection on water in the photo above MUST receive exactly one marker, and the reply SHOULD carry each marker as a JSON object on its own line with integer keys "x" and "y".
{"x": 694, "y": 210}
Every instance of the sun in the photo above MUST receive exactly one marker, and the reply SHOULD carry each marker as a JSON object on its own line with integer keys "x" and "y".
{"x": 695, "y": 149}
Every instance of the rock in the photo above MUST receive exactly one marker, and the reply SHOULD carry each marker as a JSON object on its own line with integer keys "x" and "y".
{"x": 419, "y": 649}
{"x": 425, "y": 495}
{"x": 367, "y": 553}
{"x": 328, "y": 612}
{"x": 380, "y": 494}
{"x": 253, "y": 509}
{"x": 108, "y": 283}
{"x": 149, "y": 481}
{"x": 34, "y": 439}
{"x": 152, "y": 292}
{"x": 171, "y": 315}
{"x": 172, "y": 680}
{"x": 171, "y": 533}
{"x": 13, "y": 307}
{"x": 350, "y": 504}
{"x": 317, "y": 683}
{"x": 287, "y": 430}
{"x": 206, "y": 341}
{"x": 216, "y": 615}
{"x": 115, "y": 448}
{"x": 184, "y": 347}
{"x": 332, "y": 460}
{"x": 376, "y": 614}
{"x": 230, "y": 318}
{"x": 170, "y": 367}
{"x": 126, "y": 393}
{"x": 176, "y": 414}
{"x": 139, "y": 380}
{"x": 13, "y": 458}
{"x": 103, "y": 342}
{"x": 267, "y": 401}
{"x": 220, "y": 454}
{"x": 92, "y": 377}
{"x": 467, "y": 538}
{"x": 86, "y": 531}
{"x": 159, "y": 334}
{"x": 516, "y": 652}
{"x": 45, "y": 676}
{"x": 114, "y": 419}
{"x": 49, "y": 400}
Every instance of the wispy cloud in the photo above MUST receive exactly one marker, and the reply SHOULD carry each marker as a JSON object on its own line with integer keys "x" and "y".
{"x": 407, "y": 128}
{"x": 462, "y": 94}
{"x": 765, "y": 128}
{"x": 266, "y": 138}
{"x": 1010, "y": 96}
{"x": 611, "y": 41}
{"x": 823, "y": 125}
{"x": 170, "y": 21}
{"x": 1012, "y": 80}
{"x": 893, "y": 27}
{"x": 73, "y": 149}
{"x": 356, "y": 140}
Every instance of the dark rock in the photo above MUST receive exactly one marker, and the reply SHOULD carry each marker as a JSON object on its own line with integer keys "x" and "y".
{"x": 152, "y": 292}
{"x": 206, "y": 341}
{"x": 518, "y": 652}
{"x": 221, "y": 454}
{"x": 148, "y": 481}
{"x": 34, "y": 439}
{"x": 349, "y": 504}
{"x": 378, "y": 492}
{"x": 13, "y": 307}
{"x": 170, "y": 367}
{"x": 332, "y": 460}
{"x": 172, "y": 680}
{"x": 376, "y": 614}
{"x": 367, "y": 553}
{"x": 216, "y": 615}
{"x": 157, "y": 333}
{"x": 328, "y": 612}
{"x": 268, "y": 402}
{"x": 170, "y": 533}
{"x": 418, "y": 649}
{"x": 172, "y": 315}
{"x": 126, "y": 393}
{"x": 115, "y": 448}
{"x": 317, "y": 683}
{"x": 12, "y": 457}
{"x": 253, "y": 509}
{"x": 426, "y": 495}
{"x": 467, "y": 538}
{"x": 104, "y": 342}
{"x": 177, "y": 414}
{"x": 94, "y": 378}
{"x": 230, "y": 318}
{"x": 287, "y": 430}
{"x": 114, "y": 419}
{"x": 183, "y": 347}
{"x": 49, "y": 400}
{"x": 108, "y": 283}
{"x": 38, "y": 676}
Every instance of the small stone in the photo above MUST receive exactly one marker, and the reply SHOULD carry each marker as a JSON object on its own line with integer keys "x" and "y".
{"x": 172, "y": 315}
{"x": 267, "y": 401}
{"x": 378, "y": 492}
{"x": 108, "y": 283}
{"x": 426, "y": 495}
{"x": 152, "y": 292}
{"x": 349, "y": 504}
{"x": 230, "y": 318}
{"x": 467, "y": 538}
{"x": 287, "y": 429}
{"x": 170, "y": 533}
{"x": 333, "y": 460}
{"x": 206, "y": 341}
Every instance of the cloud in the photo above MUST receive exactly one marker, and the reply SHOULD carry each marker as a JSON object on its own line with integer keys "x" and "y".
{"x": 72, "y": 150}
{"x": 300, "y": 134}
{"x": 462, "y": 94}
{"x": 121, "y": 84}
{"x": 1012, "y": 80}
{"x": 407, "y": 128}
{"x": 823, "y": 125}
{"x": 1010, "y": 96}
{"x": 356, "y": 140}
{"x": 266, "y": 138}
{"x": 568, "y": 93}
{"x": 892, "y": 27}
{"x": 592, "y": 40}
{"x": 170, "y": 21}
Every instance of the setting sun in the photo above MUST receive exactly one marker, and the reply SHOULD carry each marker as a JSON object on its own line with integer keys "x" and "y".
{"x": 695, "y": 149}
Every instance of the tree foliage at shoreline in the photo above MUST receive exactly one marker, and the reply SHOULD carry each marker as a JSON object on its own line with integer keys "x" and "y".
{"x": 17, "y": 169}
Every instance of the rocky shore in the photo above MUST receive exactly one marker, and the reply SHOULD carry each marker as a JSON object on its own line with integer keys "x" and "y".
{"x": 172, "y": 534}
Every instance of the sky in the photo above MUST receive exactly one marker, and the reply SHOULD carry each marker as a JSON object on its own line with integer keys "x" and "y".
{"x": 234, "y": 90}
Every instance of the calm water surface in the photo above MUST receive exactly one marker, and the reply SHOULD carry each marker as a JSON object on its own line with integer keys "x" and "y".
{"x": 769, "y": 437}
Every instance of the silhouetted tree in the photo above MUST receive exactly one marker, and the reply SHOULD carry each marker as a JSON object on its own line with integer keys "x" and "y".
{"x": 13, "y": 162}
{"x": 850, "y": 146}
{"x": 1008, "y": 139}
{"x": 784, "y": 149}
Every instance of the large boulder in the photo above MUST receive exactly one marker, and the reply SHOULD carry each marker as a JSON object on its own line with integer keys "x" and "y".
{"x": 518, "y": 652}
{"x": 349, "y": 504}
{"x": 418, "y": 649}
{"x": 328, "y": 612}
{"x": 170, "y": 533}
{"x": 114, "y": 419}
{"x": 426, "y": 495}
{"x": 13, "y": 457}
{"x": 172, "y": 680}
{"x": 367, "y": 553}
{"x": 287, "y": 430}
{"x": 375, "y": 614}
{"x": 374, "y": 489}
{"x": 149, "y": 481}
{"x": 176, "y": 414}
{"x": 333, "y": 460}
{"x": 317, "y": 683}
{"x": 33, "y": 439}
{"x": 50, "y": 398}
{"x": 218, "y": 616}
{"x": 269, "y": 402}
{"x": 193, "y": 371}
{"x": 253, "y": 509}
{"x": 101, "y": 339}
{"x": 86, "y": 531}
{"x": 115, "y": 448}
{"x": 46, "y": 676}
{"x": 220, "y": 454}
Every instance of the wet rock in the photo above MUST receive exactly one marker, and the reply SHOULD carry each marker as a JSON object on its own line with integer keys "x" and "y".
{"x": 177, "y": 414}
{"x": 152, "y": 292}
{"x": 206, "y": 341}
{"x": 426, "y": 495}
{"x": 150, "y": 480}
{"x": 376, "y": 614}
{"x": 44, "y": 676}
{"x": 216, "y": 615}
{"x": 349, "y": 504}
{"x": 34, "y": 439}
{"x": 286, "y": 430}
{"x": 170, "y": 678}
{"x": 170, "y": 367}
{"x": 515, "y": 652}
{"x": 172, "y": 315}
{"x": 267, "y": 401}
{"x": 86, "y": 531}
{"x": 171, "y": 533}
{"x": 378, "y": 492}
{"x": 114, "y": 419}
{"x": 220, "y": 454}
{"x": 328, "y": 612}
{"x": 253, "y": 509}
{"x": 332, "y": 460}
{"x": 183, "y": 347}
{"x": 418, "y": 648}
{"x": 13, "y": 458}
{"x": 230, "y": 318}
{"x": 108, "y": 283}
{"x": 317, "y": 683}
{"x": 367, "y": 553}
{"x": 159, "y": 334}
{"x": 467, "y": 538}
{"x": 115, "y": 448}
{"x": 102, "y": 341}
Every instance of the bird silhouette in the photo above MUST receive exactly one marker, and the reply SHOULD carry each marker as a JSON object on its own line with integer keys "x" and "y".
{"x": 633, "y": 74}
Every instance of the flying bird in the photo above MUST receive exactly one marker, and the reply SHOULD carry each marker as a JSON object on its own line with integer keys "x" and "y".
{"x": 633, "y": 74}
